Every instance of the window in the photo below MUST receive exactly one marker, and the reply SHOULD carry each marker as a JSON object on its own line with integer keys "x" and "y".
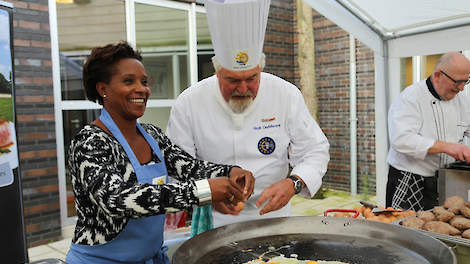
{"x": 174, "y": 40}
{"x": 81, "y": 27}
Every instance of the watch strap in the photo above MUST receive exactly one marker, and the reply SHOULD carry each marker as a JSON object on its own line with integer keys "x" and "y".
{"x": 297, "y": 183}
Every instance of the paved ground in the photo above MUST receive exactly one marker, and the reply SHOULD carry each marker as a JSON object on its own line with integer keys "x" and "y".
{"x": 300, "y": 207}
{"x": 332, "y": 200}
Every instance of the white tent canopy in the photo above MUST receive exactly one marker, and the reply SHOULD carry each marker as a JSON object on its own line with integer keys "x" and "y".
{"x": 394, "y": 29}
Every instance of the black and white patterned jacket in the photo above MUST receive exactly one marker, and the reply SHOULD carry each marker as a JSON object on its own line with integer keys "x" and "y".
{"x": 105, "y": 186}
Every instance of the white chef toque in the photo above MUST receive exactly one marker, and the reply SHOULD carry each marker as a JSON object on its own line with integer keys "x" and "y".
{"x": 237, "y": 30}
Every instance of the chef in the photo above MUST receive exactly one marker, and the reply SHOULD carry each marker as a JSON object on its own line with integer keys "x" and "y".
{"x": 247, "y": 117}
{"x": 426, "y": 126}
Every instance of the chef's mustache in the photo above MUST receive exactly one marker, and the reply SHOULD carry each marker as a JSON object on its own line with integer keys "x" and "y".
{"x": 237, "y": 93}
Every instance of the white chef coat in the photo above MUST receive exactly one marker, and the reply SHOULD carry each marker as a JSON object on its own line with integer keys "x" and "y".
{"x": 202, "y": 123}
{"x": 416, "y": 120}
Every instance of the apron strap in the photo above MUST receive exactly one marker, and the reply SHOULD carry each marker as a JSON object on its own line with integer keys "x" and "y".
{"x": 113, "y": 128}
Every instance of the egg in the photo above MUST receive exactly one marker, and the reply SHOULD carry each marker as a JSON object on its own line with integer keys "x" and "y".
{"x": 240, "y": 205}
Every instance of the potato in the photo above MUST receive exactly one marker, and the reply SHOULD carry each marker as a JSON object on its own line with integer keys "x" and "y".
{"x": 439, "y": 210}
{"x": 426, "y": 216}
{"x": 466, "y": 233}
{"x": 442, "y": 214}
{"x": 454, "y": 203}
{"x": 445, "y": 217}
{"x": 441, "y": 228}
{"x": 414, "y": 222}
{"x": 460, "y": 222}
{"x": 465, "y": 211}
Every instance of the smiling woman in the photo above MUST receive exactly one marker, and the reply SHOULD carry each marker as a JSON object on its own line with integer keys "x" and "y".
{"x": 127, "y": 92}
{"x": 120, "y": 168}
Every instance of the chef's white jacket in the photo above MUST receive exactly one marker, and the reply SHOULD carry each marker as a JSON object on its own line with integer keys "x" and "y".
{"x": 202, "y": 123}
{"x": 416, "y": 120}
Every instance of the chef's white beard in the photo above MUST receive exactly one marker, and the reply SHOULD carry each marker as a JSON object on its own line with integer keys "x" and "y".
{"x": 239, "y": 105}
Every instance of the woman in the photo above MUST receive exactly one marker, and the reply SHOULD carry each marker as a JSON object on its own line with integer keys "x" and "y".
{"x": 120, "y": 169}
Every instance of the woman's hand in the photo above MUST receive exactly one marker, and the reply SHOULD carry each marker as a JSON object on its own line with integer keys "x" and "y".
{"x": 222, "y": 189}
{"x": 227, "y": 207}
{"x": 244, "y": 180}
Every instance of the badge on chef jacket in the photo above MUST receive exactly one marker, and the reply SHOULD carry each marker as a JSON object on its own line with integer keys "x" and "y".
{"x": 159, "y": 180}
{"x": 266, "y": 145}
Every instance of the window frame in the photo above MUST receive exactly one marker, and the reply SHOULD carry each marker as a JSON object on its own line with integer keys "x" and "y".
{"x": 65, "y": 105}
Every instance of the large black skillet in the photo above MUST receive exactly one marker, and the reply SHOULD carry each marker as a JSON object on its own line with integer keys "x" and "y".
{"x": 318, "y": 238}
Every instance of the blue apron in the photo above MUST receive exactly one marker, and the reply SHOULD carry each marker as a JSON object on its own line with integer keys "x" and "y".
{"x": 141, "y": 239}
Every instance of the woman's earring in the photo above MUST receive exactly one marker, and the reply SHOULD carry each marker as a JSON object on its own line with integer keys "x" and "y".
{"x": 104, "y": 96}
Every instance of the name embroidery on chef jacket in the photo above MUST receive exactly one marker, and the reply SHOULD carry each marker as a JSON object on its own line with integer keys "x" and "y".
{"x": 266, "y": 145}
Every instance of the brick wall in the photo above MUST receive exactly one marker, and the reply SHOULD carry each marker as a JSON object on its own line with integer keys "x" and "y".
{"x": 35, "y": 120}
{"x": 366, "y": 117}
{"x": 279, "y": 43}
{"x": 332, "y": 78}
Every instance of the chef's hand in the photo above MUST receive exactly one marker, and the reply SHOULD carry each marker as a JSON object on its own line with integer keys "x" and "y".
{"x": 244, "y": 179}
{"x": 278, "y": 194}
{"x": 222, "y": 189}
{"x": 458, "y": 151}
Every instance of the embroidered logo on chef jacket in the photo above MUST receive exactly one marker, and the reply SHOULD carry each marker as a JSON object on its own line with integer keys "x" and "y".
{"x": 268, "y": 119}
{"x": 159, "y": 180}
{"x": 241, "y": 58}
{"x": 266, "y": 145}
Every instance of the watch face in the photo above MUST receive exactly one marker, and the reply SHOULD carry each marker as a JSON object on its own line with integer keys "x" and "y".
{"x": 297, "y": 183}
{"x": 298, "y": 186}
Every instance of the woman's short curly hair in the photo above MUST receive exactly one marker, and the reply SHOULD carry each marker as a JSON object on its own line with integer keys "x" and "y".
{"x": 100, "y": 66}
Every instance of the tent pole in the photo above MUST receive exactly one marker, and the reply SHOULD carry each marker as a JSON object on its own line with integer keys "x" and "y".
{"x": 381, "y": 127}
{"x": 352, "y": 114}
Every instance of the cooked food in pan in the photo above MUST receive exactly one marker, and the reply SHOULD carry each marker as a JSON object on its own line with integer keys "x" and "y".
{"x": 284, "y": 260}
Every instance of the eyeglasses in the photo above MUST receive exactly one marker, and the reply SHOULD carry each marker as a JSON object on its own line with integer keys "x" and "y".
{"x": 456, "y": 82}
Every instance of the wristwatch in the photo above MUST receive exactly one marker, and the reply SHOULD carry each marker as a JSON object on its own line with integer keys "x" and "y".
{"x": 297, "y": 183}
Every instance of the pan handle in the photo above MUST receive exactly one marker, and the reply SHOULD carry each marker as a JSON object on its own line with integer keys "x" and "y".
{"x": 343, "y": 211}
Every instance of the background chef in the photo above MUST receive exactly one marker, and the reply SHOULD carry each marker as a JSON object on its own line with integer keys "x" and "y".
{"x": 244, "y": 116}
{"x": 426, "y": 127}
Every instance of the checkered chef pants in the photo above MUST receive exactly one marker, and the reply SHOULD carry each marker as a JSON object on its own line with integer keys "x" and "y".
{"x": 408, "y": 190}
